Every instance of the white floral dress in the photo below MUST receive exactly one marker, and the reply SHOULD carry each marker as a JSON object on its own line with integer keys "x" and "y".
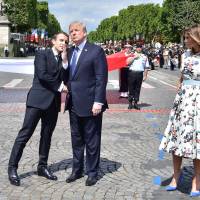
{"x": 182, "y": 135}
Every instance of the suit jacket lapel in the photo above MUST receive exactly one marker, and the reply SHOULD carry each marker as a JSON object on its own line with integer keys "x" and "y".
{"x": 70, "y": 52}
{"x": 52, "y": 57}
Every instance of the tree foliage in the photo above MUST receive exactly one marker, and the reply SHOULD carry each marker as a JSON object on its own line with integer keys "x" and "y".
{"x": 178, "y": 14}
{"x": 46, "y": 20}
{"x": 146, "y": 21}
{"x": 53, "y": 25}
{"x": 32, "y": 12}
{"x": 149, "y": 22}
{"x": 27, "y": 14}
{"x": 22, "y": 14}
{"x": 43, "y": 12}
{"x": 188, "y": 13}
{"x": 142, "y": 20}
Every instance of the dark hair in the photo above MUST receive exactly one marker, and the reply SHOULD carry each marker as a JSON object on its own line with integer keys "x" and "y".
{"x": 56, "y": 34}
{"x": 139, "y": 46}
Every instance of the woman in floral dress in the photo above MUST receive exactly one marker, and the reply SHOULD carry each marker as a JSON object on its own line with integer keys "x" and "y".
{"x": 182, "y": 135}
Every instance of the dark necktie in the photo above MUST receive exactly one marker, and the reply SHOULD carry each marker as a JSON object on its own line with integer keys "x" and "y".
{"x": 59, "y": 59}
{"x": 74, "y": 60}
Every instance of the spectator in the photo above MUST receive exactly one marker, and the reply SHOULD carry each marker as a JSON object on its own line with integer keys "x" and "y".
{"x": 6, "y": 51}
{"x": 166, "y": 57}
{"x": 123, "y": 75}
{"x": 138, "y": 69}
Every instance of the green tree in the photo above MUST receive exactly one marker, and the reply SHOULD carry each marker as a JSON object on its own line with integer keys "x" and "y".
{"x": 42, "y": 14}
{"x": 53, "y": 25}
{"x": 178, "y": 14}
{"x": 188, "y": 13}
{"x": 32, "y": 12}
{"x": 93, "y": 36}
{"x": 143, "y": 20}
{"x": 22, "y": 14}
{"x": 46, "y": 20}
{"x": 27, "y": 14}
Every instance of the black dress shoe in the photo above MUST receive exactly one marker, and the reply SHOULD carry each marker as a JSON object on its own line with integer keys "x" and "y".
{"x": 136, "y": 106}
{"x": 91, "y": 181}
{"x": 73, "y": 177}
{"x": 130, "y": 106}
{"x": 13, "y": 176}
{"x": 45, "y": 172}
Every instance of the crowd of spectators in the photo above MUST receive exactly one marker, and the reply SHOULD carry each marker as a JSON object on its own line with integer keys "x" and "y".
{"x": 164, "y": 56}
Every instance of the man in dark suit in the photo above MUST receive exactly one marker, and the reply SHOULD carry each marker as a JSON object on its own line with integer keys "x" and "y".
{"x": 87, "y": 79}
{"x": 43, "y": 102}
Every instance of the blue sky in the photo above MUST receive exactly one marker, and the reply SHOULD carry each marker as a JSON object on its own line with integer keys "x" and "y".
{"x": 91, "y": 12}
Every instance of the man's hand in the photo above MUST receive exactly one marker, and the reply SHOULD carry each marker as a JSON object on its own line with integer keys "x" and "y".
{"x": 64, "y": 55}
{"x": 144, "y": 78}
{"x": 129, "y": 60}
{"x": 96, "y": 109}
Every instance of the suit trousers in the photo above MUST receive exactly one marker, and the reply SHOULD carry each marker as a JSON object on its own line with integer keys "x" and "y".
{"x": 135, "y": 79}
{"x": 123, "y": 83}
{"x": 48, "y": 122}
{"x": 86, "y": 133}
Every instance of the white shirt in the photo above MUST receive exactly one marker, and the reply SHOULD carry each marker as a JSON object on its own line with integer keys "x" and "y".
{"x": 139, "y": 63}
{"x": 65, "y": 65}
{"x": 80, "y": 49}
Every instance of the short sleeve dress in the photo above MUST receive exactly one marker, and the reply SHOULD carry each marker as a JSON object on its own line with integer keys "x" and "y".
{"x": 182, "y": 134}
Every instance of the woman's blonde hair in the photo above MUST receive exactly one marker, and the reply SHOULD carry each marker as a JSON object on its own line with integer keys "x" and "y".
{"x": 194, "y": 33}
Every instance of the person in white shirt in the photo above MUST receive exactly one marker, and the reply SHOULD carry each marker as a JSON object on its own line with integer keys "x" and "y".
{"x": 6, "y": 51}
{"x": 138, "y": 69}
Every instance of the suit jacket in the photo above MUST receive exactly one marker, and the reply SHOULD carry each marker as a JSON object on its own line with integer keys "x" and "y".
{"x": 46, "y": 81}
{"x": 88, "y": 83}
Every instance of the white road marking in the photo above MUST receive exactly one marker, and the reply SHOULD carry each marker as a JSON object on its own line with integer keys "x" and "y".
{"x": 152, "y": 77}
{"x": 167, "y": 84}
{"x": 163, "y": 82}
{"x": 147, "y": 86}
{"x": 13, "y": 83}
{"x": 22, "y": 66}
{"x": 114, "y": 83}
{"x": 16, "y": 61}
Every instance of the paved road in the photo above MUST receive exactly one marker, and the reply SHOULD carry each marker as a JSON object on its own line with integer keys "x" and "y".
{"x": 132, "y": 168}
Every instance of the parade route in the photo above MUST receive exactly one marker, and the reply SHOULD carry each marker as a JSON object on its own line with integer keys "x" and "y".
{"x": 132, "y": 167}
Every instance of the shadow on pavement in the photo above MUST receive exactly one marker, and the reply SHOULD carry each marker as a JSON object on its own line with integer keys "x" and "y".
{"x": 141, "y": 105}
{"x": 185, "y": 181}
{"x": 106, "y": 166}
